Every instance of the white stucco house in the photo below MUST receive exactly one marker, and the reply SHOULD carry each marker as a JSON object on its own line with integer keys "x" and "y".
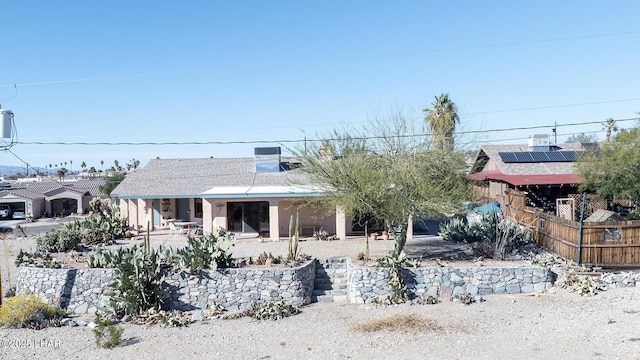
{"x": 248, "y": 195}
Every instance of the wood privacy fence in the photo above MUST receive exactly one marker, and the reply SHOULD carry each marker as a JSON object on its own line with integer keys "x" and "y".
{"x": 608, "y": 244}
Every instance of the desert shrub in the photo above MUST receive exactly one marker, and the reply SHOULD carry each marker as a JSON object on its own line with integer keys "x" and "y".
{"x": 490, "y": 236}
{"x": 38, "y": 258}
{"x": 26, "y": 310}
{"x": 270, "y": 310}
{"x": 454, "y": 230}
{"x": 104, "y": 224}
{"x": 268, "y": 259}
{"x": 59, "y": 240}
{"x": 106, "y": 333}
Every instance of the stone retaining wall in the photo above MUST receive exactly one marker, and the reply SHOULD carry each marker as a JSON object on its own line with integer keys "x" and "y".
{"x": 367, "y": 283}
{"x": 81, "y": 290}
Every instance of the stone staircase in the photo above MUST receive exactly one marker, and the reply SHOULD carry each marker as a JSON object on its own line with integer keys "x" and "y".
{"x": 330, "y": 284}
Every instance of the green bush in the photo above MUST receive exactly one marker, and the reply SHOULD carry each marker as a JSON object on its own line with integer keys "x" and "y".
{"x": 26, "y": 310}
{"x": 59, "y": 240}
{"x": 107, "y": 334}
{"x": 38, "y": 259}
{"x": 270, "y": 310}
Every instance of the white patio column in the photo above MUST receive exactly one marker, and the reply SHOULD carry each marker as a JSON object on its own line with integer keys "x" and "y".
{"x": 410, "y": 228}
{"x": 208, "y": 217}
{"x": 219, "y": 215}
{"x": 341, "y": 223}
{"x": 274, "y": 220}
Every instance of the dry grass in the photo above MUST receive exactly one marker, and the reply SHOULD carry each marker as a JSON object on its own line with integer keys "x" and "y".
{"x": 397, "y": 322}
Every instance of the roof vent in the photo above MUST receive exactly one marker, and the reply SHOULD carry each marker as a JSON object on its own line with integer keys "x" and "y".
{"x": 267, "y": 159}
{"x": 539, "y": 142}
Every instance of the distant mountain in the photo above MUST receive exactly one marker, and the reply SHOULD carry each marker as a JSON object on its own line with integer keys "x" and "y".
{"x": 6, "y": 170}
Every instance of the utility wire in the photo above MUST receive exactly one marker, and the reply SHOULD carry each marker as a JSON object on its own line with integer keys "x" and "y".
{"x": 290, "y": 141}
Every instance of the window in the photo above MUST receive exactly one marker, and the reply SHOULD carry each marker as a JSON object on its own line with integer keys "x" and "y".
{"x": 197, "y": 204}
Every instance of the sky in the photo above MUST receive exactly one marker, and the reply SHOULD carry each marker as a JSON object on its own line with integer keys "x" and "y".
{"x": 84, "y": 77}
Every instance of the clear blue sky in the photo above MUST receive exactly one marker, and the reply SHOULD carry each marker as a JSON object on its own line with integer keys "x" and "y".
{"x": 181, "y": 71}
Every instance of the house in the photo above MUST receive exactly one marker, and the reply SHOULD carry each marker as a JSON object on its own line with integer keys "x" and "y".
{"x": 250, "y": 195}
{"x": 545, "y": 173}
{"x": 37, "y": 197}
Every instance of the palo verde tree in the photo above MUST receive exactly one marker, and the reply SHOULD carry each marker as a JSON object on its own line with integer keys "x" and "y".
{"x": 613, "y": 170}
{"x": 390, "y": 172}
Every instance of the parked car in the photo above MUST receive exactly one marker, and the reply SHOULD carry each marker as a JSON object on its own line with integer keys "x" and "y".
{"x": 19, "y": 215}
{"x": 5, "y": 212}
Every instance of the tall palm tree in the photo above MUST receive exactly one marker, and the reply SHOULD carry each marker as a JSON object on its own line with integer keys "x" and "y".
{"x": 101, "y": 164}
{"x": 442, "y": 119}
{"x": 610, "y": 126}
{"x": 83, "y": 166}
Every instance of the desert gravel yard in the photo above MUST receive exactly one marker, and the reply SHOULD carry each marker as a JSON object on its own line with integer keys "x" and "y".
{"x": 556, "y": 324}
{"x": 553, "y": 324}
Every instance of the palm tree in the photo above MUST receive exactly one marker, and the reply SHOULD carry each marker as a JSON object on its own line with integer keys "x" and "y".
{"x": 442, "y": 119}
{"x": 61, "y": 173}
{"x": 83, "y": 166}
{"x": 610, "y": 126}
{"x": 71, "y": 166}
{"x": 50, "y": 166}
{"x": 101, "y": 164}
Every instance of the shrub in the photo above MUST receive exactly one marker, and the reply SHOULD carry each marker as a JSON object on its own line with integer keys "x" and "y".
{"x": 59, "y": 240}
{"x": 26, "y": 310}
{"x": 268, "y": 259}
{"x": 491, "y": 237}
{"x": 106, "y": 326}
{"x": 38, "y": 259}
{"x": 270, "y": 310}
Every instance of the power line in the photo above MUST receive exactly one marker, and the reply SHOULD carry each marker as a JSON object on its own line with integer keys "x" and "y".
{"x": 291, "y": 141}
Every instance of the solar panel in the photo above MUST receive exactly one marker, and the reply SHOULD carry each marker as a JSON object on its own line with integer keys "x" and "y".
{"x": 556, "y": 156}
{"x": 525, "y": 157}
{"x": 508, "y": 157}
{"x": 540, "y": 156}
{"x": 569, "y": 155}
{"x": 537, "y": 156}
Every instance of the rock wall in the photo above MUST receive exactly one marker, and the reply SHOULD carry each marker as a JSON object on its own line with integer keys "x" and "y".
{"x": 81, "y": 290}
{"x": 367, "y": 283}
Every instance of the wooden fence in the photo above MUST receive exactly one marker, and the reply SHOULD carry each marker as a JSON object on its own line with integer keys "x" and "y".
{"x": 607, "y": 244}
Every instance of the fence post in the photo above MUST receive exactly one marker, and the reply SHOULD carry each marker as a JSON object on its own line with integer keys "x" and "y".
{"x": 584, "y": 199}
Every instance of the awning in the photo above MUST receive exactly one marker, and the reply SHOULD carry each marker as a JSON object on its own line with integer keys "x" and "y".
{"x": 522, "y": 180}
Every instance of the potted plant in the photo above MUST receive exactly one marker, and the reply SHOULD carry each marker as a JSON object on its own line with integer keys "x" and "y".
{"x": 374, "y": 236}
{"x": 385, "y": 235}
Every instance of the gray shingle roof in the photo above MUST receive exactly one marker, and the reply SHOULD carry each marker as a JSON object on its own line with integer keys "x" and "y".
{"x": 489, "y": 160}
{"x": 191, "y": 177}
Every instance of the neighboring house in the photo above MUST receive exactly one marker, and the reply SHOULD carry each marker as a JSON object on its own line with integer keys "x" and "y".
{"x": 252, "y": 195}
{"x": 45, "y": 197}
{"x": 543, "y": 172}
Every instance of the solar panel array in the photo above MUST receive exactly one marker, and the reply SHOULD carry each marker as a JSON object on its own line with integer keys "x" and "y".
{"x": 537, "y": 156}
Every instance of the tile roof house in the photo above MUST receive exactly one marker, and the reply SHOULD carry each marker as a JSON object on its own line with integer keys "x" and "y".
{"x": 251, "y": 195}
{"x": 42, "y": 197}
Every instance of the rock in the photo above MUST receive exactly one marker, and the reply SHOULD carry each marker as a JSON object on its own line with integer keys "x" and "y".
{"x": 82, "y": 322}
{"x": 197, "y": 315}
{"x": 113, "y": 318}
{"x": 478, "y": 299}
{"x": 92, "y": 325}
{"x": 65, "y": 321}
{"x": 72, "y": 323}
{"x": 126, "y": 319}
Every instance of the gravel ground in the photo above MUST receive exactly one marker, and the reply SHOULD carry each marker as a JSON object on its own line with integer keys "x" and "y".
{"x": 548, "y": 325}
